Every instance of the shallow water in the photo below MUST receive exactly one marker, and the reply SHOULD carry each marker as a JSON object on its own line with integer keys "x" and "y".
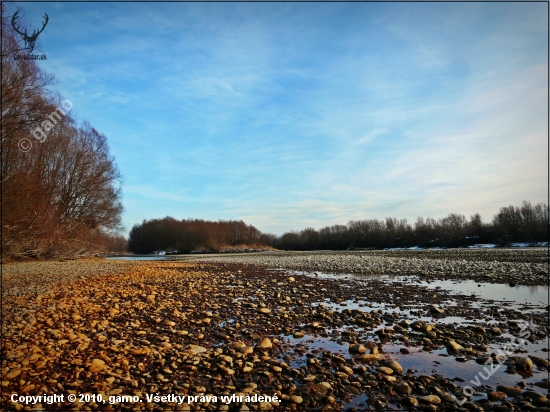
{"x": 420, "y": 362}
{"x": 152, "y": 257}
{"x": 519, "y": 294}
{"x": 465, "y": 371}
{"x": 494, "y": 291}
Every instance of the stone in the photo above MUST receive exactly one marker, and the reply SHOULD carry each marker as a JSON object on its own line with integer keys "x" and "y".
{"x": 436, "y": 310}
{"x": 433, "y": 399}
{"x": 357, "y": 348}
{"x": 540, "y": 362}
{"x": 524, "y": 364}
{"x": 236, "y": 345}
{"x": 495, "y": 331}
{"x": 296, "y": 399}
{"x": 452, "y": 346}
{"x": 402, "y": 388}
{"x": 97, "y": 365}
{"x": 12, "y": 374}
{"x": 264, "y": 310}
{"x": 409, "y": 400}
{"x": 196, "y": 350}
{"x": 509, "y": 390}
{"x": 369, "y": 357}
{"x": 265, "y": 406}
{"x": 140, "y": 351}
{"x": 496, "y": 396}
{"x": 317, "y": 388}
{"x": 247, "y": 350}
{"x": 394, "y": 365}
{"x": 385, "y": 370}
{"x": 265, "y": 343}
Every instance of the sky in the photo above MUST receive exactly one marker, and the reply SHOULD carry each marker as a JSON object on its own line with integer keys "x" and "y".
{"x": 294, "y": 115}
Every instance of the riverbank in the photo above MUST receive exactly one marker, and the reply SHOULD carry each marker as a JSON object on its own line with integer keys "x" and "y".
{"x": 130, "y": 328}
{"x": 522, "y": 267}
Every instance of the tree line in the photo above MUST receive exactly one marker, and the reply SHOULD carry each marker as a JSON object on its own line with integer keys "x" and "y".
{"x": 61, "y": 188}
{"x": 170, "y": 235}
{"x": 525, "y": 223}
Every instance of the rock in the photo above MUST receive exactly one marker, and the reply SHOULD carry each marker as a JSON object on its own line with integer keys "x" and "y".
{"x": 347, "y": 370}
{"x": 317, "y": 388}
{"x": 291, "y": 279}
{"x": 495, "y": 331}
{"x": 496, "y": 396}
{"x": 402, "y": 388}
{"x": 247, "y": 350}
{"x": 330, "y": 400}
{"x": 264, "y": 310}
{"x": 540, "y": 362}
{"x": 357, "y": 348}
{"x": 409, "y": 400}
{"x": 296, "y": 399}
{"x": 452, "y": 346}
{"x": 97, "y": 365}
{"x": 385, "y": 370}
{"x": 483, "y": 359}
{"x": 236, "y": 345}
{"x": 265, "y": 406}
{"x": 298, "y": 335}
{"x": 433, "y": 399}
{"x": 370, "y": 357}
{"x": 394, "y": 365}
{"x": 436, "y": 310}
{"x": 265, "y": 343}
{"x": 509, "y": 390}
{"x": 524, "y": 364}
{"x": 196, "y": 350}
{"x": 428, "y": 327}
{"x": 404, "y": 323}
{"x": 12, "y": 374}
{"x": 140, "y": 351}
{"x": 538, "y": 399}
{"x": 341, "y": 375}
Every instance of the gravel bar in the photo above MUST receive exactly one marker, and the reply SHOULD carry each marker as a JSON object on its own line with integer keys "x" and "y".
{"x": 523, "y": 267}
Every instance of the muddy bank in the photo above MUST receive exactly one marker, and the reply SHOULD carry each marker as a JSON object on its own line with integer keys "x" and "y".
{"x": 523, "y": 267}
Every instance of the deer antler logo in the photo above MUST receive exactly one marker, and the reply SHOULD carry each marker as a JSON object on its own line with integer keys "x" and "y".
{"x": 29, "y": 40}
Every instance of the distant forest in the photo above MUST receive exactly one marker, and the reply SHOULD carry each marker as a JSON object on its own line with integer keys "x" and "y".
{"x": 171, "y": 235}
{"x": 525, "y": 223}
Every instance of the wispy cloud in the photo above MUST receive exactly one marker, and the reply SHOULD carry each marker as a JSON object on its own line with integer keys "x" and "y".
{"x": 306, "y": 114}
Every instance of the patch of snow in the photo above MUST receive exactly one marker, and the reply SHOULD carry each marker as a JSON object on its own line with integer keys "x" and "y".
{"x": 483, "y": 245}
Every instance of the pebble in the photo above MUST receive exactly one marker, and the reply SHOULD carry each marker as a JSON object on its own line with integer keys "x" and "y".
{"x": 265, "y": 344}
{"x": 194, "y": 328}
{"x": 524, "y": 364}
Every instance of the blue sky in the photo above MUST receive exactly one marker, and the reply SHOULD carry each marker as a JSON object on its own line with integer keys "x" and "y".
{"x": 289, "y": 115}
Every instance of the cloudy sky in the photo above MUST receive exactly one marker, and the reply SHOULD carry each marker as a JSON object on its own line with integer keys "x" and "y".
{"x": 289, "y": 115}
